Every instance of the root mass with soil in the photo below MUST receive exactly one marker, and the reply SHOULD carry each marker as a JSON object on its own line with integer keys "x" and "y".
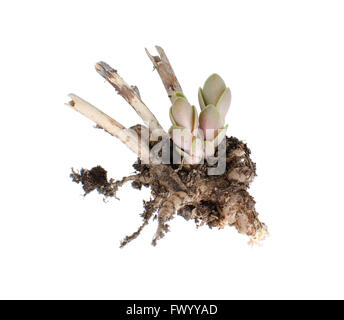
{"x": 183, "y": 189}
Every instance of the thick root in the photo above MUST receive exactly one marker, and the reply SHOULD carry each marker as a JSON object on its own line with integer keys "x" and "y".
{"x": 169, "y": 207}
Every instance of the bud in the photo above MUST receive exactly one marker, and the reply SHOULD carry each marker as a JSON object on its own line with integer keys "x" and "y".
{"x": 216, "y": 93}
{"x": 198, "y": 137}
{"x": 214, "y": 100}
{"x": 184, "y": 131}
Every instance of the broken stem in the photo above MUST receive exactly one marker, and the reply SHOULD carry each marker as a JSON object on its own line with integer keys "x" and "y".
{"x": 128, "y": 137}
{"x": 166, "y": 73}
{"x": 129, "y": 94}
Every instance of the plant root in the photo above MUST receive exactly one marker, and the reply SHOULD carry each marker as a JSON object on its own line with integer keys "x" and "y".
{"x": 188, "y": 191}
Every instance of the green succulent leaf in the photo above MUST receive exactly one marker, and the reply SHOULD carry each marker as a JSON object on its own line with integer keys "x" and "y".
{"x": 194, "y": 121}
{"x": 171, "y": 117}
{"x": 178, "y": 95}
{"x": 210, "y": 120}
{"x": 210, "y": 145}
{"x": 212, "y": 89}
{"x": 197, "y": 147}
{"x": 201, "y": 99}
{"x": 220, "y": 135}
{"x": 209, "y": 148}
{"x": 224, "y": 102}
{"x": 181, "y": 113}
{"x": 182, "y": 137}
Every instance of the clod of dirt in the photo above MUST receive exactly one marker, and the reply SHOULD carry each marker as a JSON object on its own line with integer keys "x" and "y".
{"x": 91, "y": 179}
{"x": 187, "y": 190}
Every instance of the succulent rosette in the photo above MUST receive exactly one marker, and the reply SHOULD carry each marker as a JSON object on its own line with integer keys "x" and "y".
{"x": 197, "y": 137}
{"x": 214, "y": 100}
{"x": 184, "y": 131}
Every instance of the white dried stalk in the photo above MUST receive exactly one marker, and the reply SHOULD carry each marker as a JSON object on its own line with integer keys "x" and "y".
{"x": 129, "y": 94}
{"x": 127, "y": 136}
{"x": 166, "y": 73}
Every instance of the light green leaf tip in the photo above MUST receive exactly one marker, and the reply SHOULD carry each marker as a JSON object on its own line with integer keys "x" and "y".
{"x": 212, "y": 89}
{"x": 201, "y": 99}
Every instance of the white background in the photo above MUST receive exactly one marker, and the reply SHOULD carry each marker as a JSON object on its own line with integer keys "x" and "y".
{"x": 283, "y": 61}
